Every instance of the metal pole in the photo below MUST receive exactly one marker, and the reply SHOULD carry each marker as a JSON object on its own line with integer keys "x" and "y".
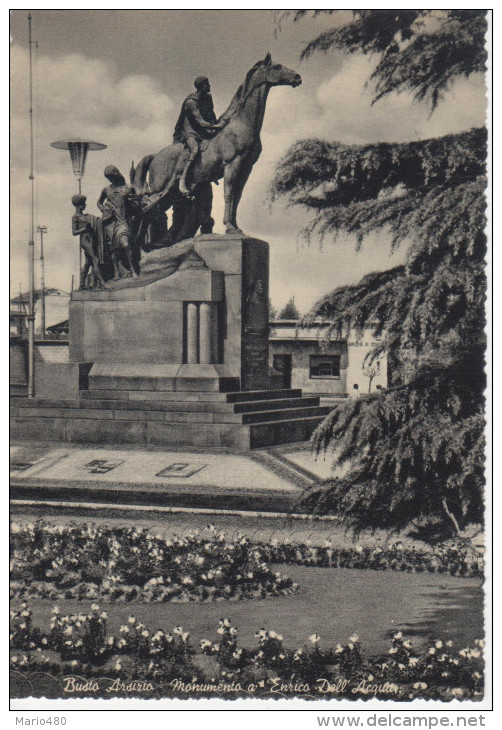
{"x": 42, "y": 230}
{"x": 31, "y": 245}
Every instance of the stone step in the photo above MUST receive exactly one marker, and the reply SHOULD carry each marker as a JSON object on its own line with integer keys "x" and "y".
{"x": 282, "y": 432}
{"x": 196, "y": 406}
{"x": 75, "y": 426}
{"x": 285, "y": 415}
{"x": 217, "y": 384}
{"x": 44, "y": 403}
{"x": 252, "y": 395}
{"x": 169, "y": 413}
{"x": 269, "y": 405}
{"x": 141, "y": 396}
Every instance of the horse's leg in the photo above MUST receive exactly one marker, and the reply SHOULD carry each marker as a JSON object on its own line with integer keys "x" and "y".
{"x": 206, "y": 205}
{"x": 236, "y": 176}
{"x": 231, "y": 176}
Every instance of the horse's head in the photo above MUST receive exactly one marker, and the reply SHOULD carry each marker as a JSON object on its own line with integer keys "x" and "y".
{"x": 264, "y": 73}
{"x": 275, "y": 74}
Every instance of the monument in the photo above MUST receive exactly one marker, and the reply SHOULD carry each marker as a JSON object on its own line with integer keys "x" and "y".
{"x": 172, "y": 349}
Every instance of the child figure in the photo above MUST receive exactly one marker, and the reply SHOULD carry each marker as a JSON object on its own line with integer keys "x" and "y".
{"x": 83, "y": 225}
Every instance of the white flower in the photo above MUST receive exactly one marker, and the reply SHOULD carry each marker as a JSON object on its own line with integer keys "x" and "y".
{"x": 420, "y": 685}
{"x": 68, "y": 631}
{"x": 124, "y": 629}
{"x": 393, "y": 650}
{"x": 457, "y": 692}
{"x": 479, "y": 642}
{"x": 432, "y": 650}
{"x": 354, "y": 638}
{"x": 94, "y": 607}
{"x": 339, "y": 649}
{"x": 438, "y": 644}
{"x": 205, "y": 644}
{"x": 145, "y": 633}
{"x": 103, "y": 614}
{"x": 131, "y": 620}
{"x": 399, "y": 635}
{"x": 56, "y": 610}
{"x": 413, "y": 661}
{"x": 314, "y": 638}
{"x": 118, "y": 666}
{"x": 407, "y": 644}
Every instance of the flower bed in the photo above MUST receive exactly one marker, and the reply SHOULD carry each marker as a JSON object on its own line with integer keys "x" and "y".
{"x": 77, "y": 653}
{"x": 123, "y": 564}
{"x": 453, "y": 557}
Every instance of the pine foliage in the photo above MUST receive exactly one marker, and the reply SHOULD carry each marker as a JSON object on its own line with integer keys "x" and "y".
{"x": 415, "y": 450}
{"x": 290, "y": 310}
{"x": 421, "y": 50}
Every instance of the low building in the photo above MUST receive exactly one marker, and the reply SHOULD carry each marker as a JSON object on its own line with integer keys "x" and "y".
{"x": 301, "y": 357}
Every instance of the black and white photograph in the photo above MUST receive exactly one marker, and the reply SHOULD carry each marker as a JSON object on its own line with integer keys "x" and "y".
{"x": 249, "y": 360}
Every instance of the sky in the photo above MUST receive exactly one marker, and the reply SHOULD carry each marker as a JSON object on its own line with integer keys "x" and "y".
{"x": 119, "y": 77}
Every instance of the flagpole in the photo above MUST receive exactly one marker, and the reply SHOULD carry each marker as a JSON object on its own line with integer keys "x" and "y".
{"x": 31, "y": 245}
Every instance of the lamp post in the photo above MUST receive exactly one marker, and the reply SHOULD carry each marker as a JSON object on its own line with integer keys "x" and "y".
{"x": 31, "y": 242}
{"x": 42, "y": 230}
{"x": 78, "y": 149}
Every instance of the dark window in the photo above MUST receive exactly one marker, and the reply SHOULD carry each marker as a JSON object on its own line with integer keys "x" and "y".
{"x": 325, "y": 366}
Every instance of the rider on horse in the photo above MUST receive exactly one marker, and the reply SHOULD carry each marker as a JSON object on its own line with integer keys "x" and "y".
{"x": 196, "y": 122}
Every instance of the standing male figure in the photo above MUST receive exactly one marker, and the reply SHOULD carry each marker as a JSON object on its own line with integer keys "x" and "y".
{"x": 196, "y": 122}
{"x": 84, "y": 225}
{"x": 116, "y": 202}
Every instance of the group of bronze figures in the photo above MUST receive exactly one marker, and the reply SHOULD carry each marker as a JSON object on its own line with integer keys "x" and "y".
{"x": 204, "y": 150}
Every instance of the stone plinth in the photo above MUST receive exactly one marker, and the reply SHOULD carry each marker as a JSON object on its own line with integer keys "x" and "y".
{"x": 201, "y": 302}
{"x": 178, "y": 356}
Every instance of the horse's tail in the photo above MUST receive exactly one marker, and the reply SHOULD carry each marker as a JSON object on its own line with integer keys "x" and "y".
{"x": 139, "y": 174}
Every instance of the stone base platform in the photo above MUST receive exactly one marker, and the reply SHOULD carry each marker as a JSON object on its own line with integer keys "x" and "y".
{"x": 238, "y": 419}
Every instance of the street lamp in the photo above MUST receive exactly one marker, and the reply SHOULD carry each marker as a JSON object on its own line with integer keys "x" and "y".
{"x": 78, "y": 149}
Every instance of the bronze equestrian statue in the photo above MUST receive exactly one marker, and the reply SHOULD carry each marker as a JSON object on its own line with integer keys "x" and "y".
{"x": 229, "y": 154}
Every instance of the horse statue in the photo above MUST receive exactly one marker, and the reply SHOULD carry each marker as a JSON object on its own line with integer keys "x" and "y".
{"x": 230, "y": 155}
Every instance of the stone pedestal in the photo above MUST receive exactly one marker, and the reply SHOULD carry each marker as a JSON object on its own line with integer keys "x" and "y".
{"x": 177, "y": 357}
{"x": 201, "y": 302}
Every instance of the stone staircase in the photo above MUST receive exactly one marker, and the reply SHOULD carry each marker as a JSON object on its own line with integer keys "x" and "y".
{"x": 237, "y": 419}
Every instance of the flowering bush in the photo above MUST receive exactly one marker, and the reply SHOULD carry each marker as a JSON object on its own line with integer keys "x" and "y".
{"x": 125, "y": 563}
{"x": 453, "y": 557}
{"x": 80, "y": 643}
{"x": 89, "y": 562}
